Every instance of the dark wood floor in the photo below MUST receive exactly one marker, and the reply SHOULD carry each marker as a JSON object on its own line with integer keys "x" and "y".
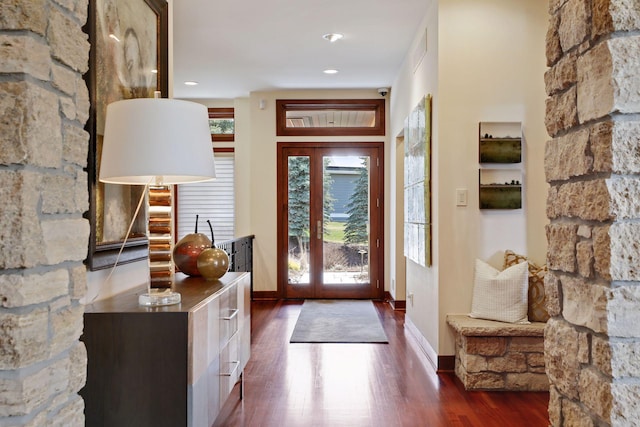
{"x": 360, "y": 384}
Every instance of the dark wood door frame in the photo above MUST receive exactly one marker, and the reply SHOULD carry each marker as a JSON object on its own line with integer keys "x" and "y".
{"x": 376, "y": 212}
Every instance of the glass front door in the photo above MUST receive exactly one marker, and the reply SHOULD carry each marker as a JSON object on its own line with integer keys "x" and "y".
{"x": 330, "y": 219}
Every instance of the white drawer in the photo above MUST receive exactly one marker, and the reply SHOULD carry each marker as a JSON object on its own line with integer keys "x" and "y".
{"x": 230, "y": 368}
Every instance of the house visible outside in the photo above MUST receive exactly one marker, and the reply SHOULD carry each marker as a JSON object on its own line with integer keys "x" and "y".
{"x": 344, "y": 181}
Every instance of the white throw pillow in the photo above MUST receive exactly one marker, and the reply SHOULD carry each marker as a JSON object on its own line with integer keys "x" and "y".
{"x": 500, "y": 295}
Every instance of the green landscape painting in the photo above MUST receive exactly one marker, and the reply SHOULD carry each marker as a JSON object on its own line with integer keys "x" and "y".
{"x": 500, "y": 150}
{"x": 501, "y": 196}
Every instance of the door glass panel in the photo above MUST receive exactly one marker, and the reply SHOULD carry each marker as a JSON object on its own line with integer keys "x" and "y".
{"x": 345, "y": 220}
{"x": 298, "y": 219}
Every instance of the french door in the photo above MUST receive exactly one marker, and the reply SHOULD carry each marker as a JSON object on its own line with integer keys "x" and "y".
{"x": 330, "y": 220}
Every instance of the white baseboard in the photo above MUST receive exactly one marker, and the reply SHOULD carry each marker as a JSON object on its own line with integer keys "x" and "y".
{"x": 423, "y": 344}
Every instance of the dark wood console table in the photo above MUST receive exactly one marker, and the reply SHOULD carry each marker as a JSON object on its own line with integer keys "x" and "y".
{"x": 167, "y": 366}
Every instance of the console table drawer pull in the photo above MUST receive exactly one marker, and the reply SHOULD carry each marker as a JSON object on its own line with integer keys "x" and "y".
{"x": 233, "y": 314}
{"x": 236, "y": 365}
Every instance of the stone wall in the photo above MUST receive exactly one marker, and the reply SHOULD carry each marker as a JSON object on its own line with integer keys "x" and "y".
{"x": 44, "y": 105}
{"x": 592, "y": 341}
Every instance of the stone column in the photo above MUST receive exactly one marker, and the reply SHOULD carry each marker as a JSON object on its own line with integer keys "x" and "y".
{"x": 44, "y": 105}
{"x": 592, "y": 163}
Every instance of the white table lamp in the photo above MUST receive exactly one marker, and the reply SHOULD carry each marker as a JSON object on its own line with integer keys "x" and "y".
{"x": 156, "y": 141}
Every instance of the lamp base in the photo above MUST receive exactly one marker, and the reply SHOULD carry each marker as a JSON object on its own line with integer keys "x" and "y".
{"x": 159, "y": 297}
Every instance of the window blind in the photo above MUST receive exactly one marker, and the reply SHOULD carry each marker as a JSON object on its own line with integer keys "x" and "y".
{"x": 212, "y": 200}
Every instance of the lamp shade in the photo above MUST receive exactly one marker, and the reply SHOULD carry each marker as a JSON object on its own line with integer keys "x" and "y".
{"x": 156, "y": 141}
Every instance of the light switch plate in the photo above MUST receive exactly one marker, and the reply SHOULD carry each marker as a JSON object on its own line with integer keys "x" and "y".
{"x": 461, "y": 197}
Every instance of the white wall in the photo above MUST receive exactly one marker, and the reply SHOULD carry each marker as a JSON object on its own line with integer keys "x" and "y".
{"x": 485, "y": 62}
{"x": 412, "y": 83}
{"x": 244, "y": 175}
{"x": 397, "y": 270}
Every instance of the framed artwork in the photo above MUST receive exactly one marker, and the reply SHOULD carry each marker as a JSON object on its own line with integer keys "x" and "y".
{"x": 500, "y": 142}
{"x": 500, "y": 189}
{"x": 128, "y": 59}
{"x": 417, "y": 184}
{"x": 500, "y": 150}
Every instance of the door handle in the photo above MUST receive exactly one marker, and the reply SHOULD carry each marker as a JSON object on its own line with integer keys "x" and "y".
{"x": 319, "y": 230}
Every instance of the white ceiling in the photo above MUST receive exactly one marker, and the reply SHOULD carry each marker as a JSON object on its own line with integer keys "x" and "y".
{"x": 234, "y": 47}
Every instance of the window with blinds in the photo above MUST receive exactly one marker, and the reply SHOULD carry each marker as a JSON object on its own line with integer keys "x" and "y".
{"x": 212, "y": 200}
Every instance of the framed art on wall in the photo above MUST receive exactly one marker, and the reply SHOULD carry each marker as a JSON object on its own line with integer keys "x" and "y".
{"x": 417, "y": 183}
{"x": 128, "y": 59}
{"x": 500, "y": 152}
{"x": 500, "y": 189}
{"x": 500, "y": 142}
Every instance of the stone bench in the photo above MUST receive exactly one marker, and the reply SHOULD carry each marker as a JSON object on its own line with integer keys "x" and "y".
{"x": 499, "y": 356}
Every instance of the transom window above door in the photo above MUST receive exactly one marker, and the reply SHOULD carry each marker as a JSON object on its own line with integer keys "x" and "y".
{"x": 330, "y": 117}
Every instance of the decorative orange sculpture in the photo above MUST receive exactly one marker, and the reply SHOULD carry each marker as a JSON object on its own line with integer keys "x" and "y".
{"x": 187, "y": 250}
{"x": 213, "y": 262}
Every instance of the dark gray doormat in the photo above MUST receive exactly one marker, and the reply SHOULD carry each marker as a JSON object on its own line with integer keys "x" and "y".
{"x": 338, "y": 321}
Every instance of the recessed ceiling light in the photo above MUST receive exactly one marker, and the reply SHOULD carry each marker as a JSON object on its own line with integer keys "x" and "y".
{"x": 191, "y": 83}
{"x": 154, "y": 71}
{"x": 114, "y": 37}
{"x": 332, "y": 37}
{"x": 330, "y": 71}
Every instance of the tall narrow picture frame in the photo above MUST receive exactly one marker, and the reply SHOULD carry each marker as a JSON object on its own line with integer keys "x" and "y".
{"x": 417, "y": 184}
{"x": 128, "y": 59}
